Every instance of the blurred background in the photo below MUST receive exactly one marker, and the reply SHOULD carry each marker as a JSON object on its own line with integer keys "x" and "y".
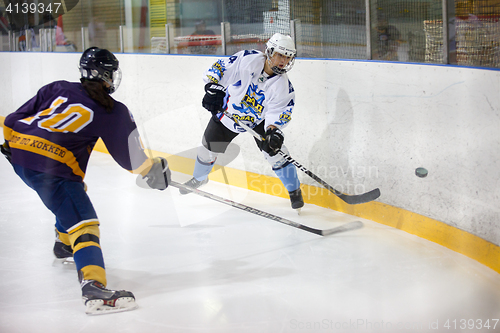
{"x": 388, "y": 30}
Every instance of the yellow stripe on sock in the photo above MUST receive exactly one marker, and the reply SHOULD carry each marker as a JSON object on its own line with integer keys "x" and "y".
{"x": 84, "y": 245}
{"x": 97, "y": 273}
{"x": 88, "y": 230}
{"x": 63, "y": 237}
{"x": 83, "y": 224}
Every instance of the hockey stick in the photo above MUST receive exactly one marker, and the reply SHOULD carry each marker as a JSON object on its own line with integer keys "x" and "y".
{"x": 353, "y": 199}
{"x": 344, "y": 227}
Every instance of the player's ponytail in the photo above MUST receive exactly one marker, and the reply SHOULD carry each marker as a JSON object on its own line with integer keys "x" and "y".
{"x": 96, "y": 91}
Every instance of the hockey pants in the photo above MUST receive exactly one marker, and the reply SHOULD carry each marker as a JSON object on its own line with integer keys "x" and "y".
{"x": 217, "y": 138}
{"x": 76, "y": 219}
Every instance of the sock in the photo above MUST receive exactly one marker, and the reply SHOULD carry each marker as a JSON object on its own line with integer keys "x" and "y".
{"x": 201, "y": 169}
{"x": 288, "y": 176}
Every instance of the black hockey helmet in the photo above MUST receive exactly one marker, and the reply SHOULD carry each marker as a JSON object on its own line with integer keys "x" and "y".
{"x": 100, "y": 65}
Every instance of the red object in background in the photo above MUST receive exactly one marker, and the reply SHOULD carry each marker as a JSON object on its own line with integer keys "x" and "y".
{"x": 60, "y": 22}
{"x": 60, "y": 38}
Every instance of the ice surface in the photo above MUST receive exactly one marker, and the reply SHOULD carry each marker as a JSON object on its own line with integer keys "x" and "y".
{"x": 196, "y": 265}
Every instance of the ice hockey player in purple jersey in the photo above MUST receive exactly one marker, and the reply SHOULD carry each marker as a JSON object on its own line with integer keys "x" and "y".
{"x": 254, "y": 88}
{"x": 48, "y": 142}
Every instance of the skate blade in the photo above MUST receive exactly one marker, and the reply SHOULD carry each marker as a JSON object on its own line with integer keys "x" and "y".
{"x": 66, "y": 261}
{"x": 298, "y": 210}
{"x": 99, "y": 306}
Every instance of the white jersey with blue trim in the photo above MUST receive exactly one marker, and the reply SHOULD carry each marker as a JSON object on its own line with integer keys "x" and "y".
{"x": 251, "y": 95}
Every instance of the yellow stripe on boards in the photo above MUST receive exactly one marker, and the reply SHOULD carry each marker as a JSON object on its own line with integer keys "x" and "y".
{"x": 101, "y": 147}
{"x": 438, "y": 232}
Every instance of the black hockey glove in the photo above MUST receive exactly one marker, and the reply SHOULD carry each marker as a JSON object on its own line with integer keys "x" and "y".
{"x": 158, "y": 176}
{"x": 6, "y": 151}
{"x": 273, "y": 141}
{"x": 214, "y": 97}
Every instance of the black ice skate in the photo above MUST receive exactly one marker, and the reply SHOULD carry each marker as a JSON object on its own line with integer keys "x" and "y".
{"x": 193, "y": 183}
{"x": 296, "y": 199}
{"x": 63, "y": 253}
{"x": 100, "y": 300}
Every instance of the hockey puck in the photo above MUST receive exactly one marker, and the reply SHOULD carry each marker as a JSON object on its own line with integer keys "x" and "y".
{"x": 421, "y": 172}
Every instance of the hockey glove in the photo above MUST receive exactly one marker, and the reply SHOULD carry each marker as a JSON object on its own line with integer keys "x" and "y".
{"x": 273, "y": 141}
{"x": 213, "y": 100}
{"x": 6, "y": 151}
{"x": 158, "y": 176}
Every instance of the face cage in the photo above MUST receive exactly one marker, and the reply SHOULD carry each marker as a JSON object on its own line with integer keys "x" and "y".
{"x": 113, "y": 82}
{"x": 276, "y": 69}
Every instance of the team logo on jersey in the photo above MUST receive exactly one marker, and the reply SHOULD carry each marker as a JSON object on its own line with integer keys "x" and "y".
{"x": 212, "y": 79}
{"x": 263, "y": 78}
{"x": 252, "y": 101}
{"x": 285, "y": 117}
{"x": 246, "y": 118}
{"x": 218, "y": 69}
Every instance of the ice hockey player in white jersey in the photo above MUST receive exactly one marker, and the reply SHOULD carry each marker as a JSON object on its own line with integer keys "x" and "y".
{"x": 254, "y": 88}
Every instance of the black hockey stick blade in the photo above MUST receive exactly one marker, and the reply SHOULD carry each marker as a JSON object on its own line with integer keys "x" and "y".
{"x": 360, "y": 198}
{"x": 262, "y": 213}
{"x": 353, "y": 199}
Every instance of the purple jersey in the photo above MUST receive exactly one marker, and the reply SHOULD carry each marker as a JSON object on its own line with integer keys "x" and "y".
{"x": 55, "y": 132}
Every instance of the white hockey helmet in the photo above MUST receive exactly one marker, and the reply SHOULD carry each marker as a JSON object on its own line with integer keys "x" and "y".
{"x": 282, "y": 44}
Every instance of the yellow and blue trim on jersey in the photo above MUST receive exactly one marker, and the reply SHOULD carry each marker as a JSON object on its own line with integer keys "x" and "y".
{"x": 43, "y": 147}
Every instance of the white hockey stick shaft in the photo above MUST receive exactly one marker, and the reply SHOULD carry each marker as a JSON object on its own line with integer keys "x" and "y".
{"x": 344, "y": 227}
